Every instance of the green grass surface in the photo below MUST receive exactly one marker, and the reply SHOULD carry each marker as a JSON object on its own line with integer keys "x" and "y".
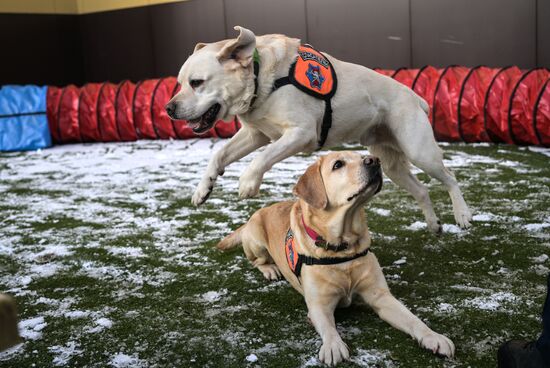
{"x": 112, "y": 266}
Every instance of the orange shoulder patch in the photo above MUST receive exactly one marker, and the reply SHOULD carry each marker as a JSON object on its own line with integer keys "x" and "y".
{"x": 290, "y": 250}
{"x": 313, "y": 73}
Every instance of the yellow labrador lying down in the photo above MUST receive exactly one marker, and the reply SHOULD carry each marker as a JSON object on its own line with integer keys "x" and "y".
{"x": 320, "y": 244}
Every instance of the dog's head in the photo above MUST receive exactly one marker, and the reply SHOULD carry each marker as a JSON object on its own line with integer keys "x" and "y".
{"x": 215, "y": 82}
{"x": 340, "y": 180}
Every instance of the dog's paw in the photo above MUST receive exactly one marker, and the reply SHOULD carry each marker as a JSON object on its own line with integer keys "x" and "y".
{"x": 463, "y": 217}
{"x": 201, "y": 194}
{"x": 438, "y": 344}
{"x": 248, "y": 187}
{"x": 270, "y": 271}
{"x": 333, "y": 351}
{"x": 435, "y": 226}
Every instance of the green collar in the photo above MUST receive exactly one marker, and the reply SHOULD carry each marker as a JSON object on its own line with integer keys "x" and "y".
{"x": 256, "y": 58}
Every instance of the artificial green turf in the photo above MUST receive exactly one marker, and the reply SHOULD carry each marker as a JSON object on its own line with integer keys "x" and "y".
{"x": 157, "y": 296}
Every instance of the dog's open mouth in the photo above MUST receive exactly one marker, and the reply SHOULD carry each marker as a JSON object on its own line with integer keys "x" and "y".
{"x": 376, "y": 179}
{"x": 206, "y": 121}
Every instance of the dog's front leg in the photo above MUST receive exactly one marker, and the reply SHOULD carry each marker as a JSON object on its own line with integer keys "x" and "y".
{"x": 291, "y": 142}
{"x": 374, "y": 290}
{"x": 321, "y": 314}
{"x": 244, "y": 142}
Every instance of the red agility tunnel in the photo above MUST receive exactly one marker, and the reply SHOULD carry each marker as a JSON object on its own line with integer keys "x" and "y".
{"x": 471, "y": 113}
{"x": 105, "y": 112}
{"x": 66, "y": 120}
{"x": 124, "y": 113}
{"x": 425, "y": 85}
{"x": 522, "y": 103}
{"x": 478, "y": 104}
{"x": 541, "y": 115}
{"x": 106, "y": 121}
{"x": 446, "y": 102}
{"x": 406, "y": 76}
{"x": 497, "y": 103}
{"x": 87, "y": 113}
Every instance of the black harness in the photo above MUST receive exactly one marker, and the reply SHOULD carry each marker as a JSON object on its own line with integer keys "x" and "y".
{"x": 292, "y": 79}
{"x": 296, "y": 260}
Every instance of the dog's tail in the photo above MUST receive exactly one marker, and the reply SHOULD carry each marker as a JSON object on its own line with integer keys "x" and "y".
{"x": 232, "y": 240}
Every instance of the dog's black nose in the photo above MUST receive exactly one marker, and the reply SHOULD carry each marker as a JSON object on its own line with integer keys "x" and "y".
{"x": 170, "y": 109}
{"x": 371, "y": 161}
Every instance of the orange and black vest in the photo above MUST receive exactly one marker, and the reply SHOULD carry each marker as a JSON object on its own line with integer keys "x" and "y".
{"x": 313, "y": 74}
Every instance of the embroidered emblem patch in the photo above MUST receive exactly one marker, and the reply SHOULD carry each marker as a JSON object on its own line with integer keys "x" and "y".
{"x": 315, "y": 76}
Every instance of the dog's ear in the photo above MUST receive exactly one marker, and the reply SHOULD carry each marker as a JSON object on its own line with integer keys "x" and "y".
{"x": 310, "y": 187}
{"x": 199, "y": 46}
{"x": 241, "y": 49}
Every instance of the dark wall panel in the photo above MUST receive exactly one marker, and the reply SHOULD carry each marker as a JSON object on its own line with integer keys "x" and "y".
{"x": 154, "y": 41}
{"x": 374, "y": 33}
{"x": 177, "y": 27}
{"x": 117, "y": 45}
{"x": 267, "y": 16}
{"x": 40, "y": 49}
{"x": 543, "y": 47}
{"x": 472, "y": 32}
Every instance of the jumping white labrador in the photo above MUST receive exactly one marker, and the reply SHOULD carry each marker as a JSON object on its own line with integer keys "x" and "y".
{"x": 218, "y": 82}
{"x": 327, "y": 225}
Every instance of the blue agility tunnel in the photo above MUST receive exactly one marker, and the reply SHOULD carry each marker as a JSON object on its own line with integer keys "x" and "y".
{"x": 23, "y": 121}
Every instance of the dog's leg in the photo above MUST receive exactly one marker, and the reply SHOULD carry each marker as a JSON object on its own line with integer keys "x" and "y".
{"x": 260, "y": 258}
{"x": 374, "y": 290}
{"x": 414, "y": 136}
{"x": 293, "y": 141}
{"x": 397, "y": 168}
{"x": 244, "y": 142}
{"x": 9, "y": 332}
{"x": 321, "y": 314}
{"x": 437, "y": 170}
{"x": 255, "y": 248}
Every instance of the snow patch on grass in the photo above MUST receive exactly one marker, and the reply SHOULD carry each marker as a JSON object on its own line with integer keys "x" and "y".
{"x": 63, "y": 354}
{"x": 100, "y": 325}
{"x": 213, "y": 296}
{"x": 536, "y": 227}
{"x": 492, "y": 302}
{"x": 380, "y": 211}
{"x": 417, "y": 225}
{"x": 31, "y": 328}
{"x": 370, "y": 358}
{"x": 121, "y": 360}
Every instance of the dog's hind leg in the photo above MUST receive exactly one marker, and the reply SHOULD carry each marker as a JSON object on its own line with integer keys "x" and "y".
{"x": 396, "y": 166}
{"x": 413, "y": 135}
{"x": 255, "y": 248}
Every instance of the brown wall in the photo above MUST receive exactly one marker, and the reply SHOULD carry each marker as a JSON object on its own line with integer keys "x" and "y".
{"x": 154, "y": 41}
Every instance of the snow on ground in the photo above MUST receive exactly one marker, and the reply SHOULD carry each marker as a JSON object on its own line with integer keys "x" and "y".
{"x": 112, "y": 266}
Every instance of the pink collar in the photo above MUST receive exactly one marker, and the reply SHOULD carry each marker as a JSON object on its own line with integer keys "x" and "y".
{"x": 320, "y": 242}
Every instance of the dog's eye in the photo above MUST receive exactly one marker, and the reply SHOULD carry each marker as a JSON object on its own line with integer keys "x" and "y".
{"x": 338, "y": 164}
{"x": 194, "y": 83}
